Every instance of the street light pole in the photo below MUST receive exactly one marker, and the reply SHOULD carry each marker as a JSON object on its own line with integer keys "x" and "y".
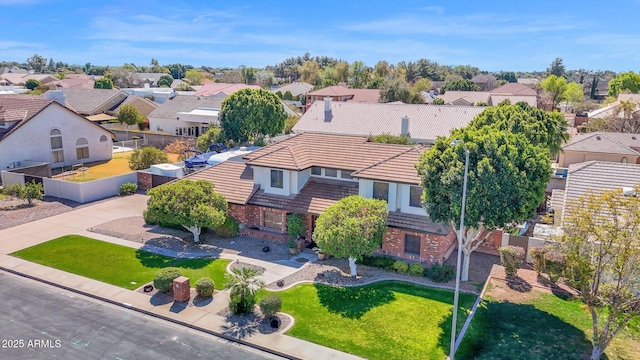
{"x": 456, "y": 292}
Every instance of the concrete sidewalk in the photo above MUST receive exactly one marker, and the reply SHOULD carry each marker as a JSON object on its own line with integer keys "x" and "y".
{"x": 203, "y": 317}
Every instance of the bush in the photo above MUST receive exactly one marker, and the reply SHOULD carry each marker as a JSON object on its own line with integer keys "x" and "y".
{"x": 416, "y": 270}
{"x": 295, "y": 225}
{"x": 29, "y": 191}
{"x": 205, "y": 287}
{"x": 400, "y": 266}
{"x": 163, "y": 281}
{"x": 239, "y": 305}
{"x": 128, "y": 188}
{"x": 383, "y": 262}
{"x": 537, "y": 257}
{"x": 290, "y": 123}
{"x": 511, "y": 258}
{"x": 554, "y": 264}
{"x": 229, "y": 229}
{"x": 259, "y": 141}
{"x": 440, "y": 273}
{"x": 145, "y": 157}
{"x": 270, "y": 305}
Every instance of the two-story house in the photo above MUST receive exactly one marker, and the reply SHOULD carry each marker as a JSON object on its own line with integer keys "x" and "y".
{"x": 309, "y": 172}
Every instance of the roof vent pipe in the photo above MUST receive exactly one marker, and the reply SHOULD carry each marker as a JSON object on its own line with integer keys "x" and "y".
{"x": 404, "y": 129}
{"x": 327, "y": 109}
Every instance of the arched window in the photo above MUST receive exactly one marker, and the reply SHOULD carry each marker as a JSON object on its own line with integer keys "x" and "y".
{"x": 624, "y": 160}
{"x": 57, "y": 154}
{"x": 103, "y": 138}
{"x": 82, "y": 149}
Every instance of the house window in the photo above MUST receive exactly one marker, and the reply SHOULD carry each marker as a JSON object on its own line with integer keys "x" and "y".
{"x": 412, "y": 244}
{"x": 331, "y": 172}
{"x": 277, "y": 179}
{"x": 82, "y": 149}
{"x": 103, "y": 138}
{"x": 316, "y": 170}
{"x": 345, "y": 174}
{"x": 381, "y": 191}
{"x": 159, "y": 128}
{"x": 415, "y": 194}
{"x": 272, "y": 220}
{"x": 624, "y": 160}
{"x": 55, "y": 139}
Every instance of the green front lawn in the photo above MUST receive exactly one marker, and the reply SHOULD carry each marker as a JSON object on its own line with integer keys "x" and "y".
{"x": 538, "y": 326}
{"x": 386, "y": 320}
{"x": 116, "y": 264}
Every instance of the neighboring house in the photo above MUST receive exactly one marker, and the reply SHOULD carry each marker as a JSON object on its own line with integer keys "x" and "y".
{"x": 160, "y": 95}
{"x": 609, "y": 110}
{"x": 600, "y": 146}
{"x": 512, "y": 91}
{"x": 602, "y": 87}
{"x": 186, "y": 115}
{"x": 143, "y": 105}
{"x": 307, "y": 173}
{"x": 595, "y": 176}
{"x": 21, "y": 79}
{"x": 12, "y": 70}
{"x": 343, "y": 93}
{"x": 89, "y": 101}
{"x": 222, "y": 89}
{"x": 530, "y": 82}
{"x": 46, "y": 131}
{"x": 296, "y": 88}
{"x": 515, "y": 92}
{"x": 423, "y": 123}
{"x": 486, "y": 82}
{"x": 465, "y": 98}
{"x": 80, "y": 83}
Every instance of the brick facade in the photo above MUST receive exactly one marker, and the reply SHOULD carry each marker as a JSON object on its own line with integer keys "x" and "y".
{"x": 433, "y": 248}
{"x": 252, "y": 219}
{"x": 145, "y": 180}
{"x": 494, "y": 241}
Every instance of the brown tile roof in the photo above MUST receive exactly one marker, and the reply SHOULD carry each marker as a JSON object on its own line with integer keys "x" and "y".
{"x": 336, "y": 90}
{"x": 314, "y": 198}
{"x": 326, "y": 150}
{"x": 232, "y": 179}
{"x": 397, "y": 168}
{"x": 217, "y": 88}
{"x": 514, "y": 89}
{"x": 416, "y": 223}
{"x": 20, "y": 110}
{"x": 357, "y": 95}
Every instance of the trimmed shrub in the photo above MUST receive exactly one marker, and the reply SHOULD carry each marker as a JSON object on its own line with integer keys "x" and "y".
{"x": 554, "y": 264}
{"x": 511, "y": 258}
{"x": 205, "y": 287}
{"x": 270, "y": 305}
{"x": 229, "y": 229}
{"x": 163, "y": 280}
{"x": 440, "y": 273}
{"x": 416, "y": 270}
{"x": 400, "y": 266}
{"x": 295, "y": 225}
{"x": 239, "y": 305}
{"x": 537, "y": 258}
{"x": 128, "y": 188}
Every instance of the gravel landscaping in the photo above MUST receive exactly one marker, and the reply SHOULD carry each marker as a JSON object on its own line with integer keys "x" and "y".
{"x": 14, "y": 212}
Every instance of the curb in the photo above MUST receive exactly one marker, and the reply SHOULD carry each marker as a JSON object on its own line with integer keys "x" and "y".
{"x": 152, "y": 314}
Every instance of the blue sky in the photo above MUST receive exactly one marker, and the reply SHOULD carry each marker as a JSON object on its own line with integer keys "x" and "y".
{"x": 497, "y": 35}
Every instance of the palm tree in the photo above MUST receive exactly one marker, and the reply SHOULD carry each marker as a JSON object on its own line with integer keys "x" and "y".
{"x": 243, "y": 284}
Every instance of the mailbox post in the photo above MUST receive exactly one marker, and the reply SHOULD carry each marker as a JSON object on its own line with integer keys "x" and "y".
{"x": 181, "y": 289}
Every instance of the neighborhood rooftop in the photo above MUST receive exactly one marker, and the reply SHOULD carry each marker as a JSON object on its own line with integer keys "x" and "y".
{"x": 608, "y": 143}
{"x": 19, "y": 110}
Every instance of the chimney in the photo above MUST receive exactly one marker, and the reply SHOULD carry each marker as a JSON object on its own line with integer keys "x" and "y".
{"x": 432, "y": 93}
{"x": 57, "y": 96}
{"x": 327, "y": 109}
{"x": 404, "y": 129}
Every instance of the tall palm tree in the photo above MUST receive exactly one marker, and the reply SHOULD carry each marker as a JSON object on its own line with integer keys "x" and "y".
{"x": 243, "y": 282}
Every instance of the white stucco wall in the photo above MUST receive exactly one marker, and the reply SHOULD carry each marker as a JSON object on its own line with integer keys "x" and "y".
{"x": 262, "y": 176}
{"x": 398, "y": 196}
{"x": 404, "y": 194}
{"x": 31, "y": 140}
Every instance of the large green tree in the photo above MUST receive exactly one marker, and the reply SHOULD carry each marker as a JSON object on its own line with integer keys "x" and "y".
{"x": 144, "y": 157}
{"x": 165, "y": 81}
{"x": 626, "y": 81}
{"x": 37, "y": 63}
{"x": 250, "y": 113}
{"x": 190, "y": 204}
{"x": 194, "y": 77}
{"x": 556, "y": 68}
{"x": 129, "y": 115}
{"x": 395, "y": 90}
{"x": 506, "y": 182}
{"x": 352, "y": 228}
{"x": 459, "y": 84}
{"x": 103, "y": 83}
{"x": 573, "y": 94}
{"x": 212, "y": 136}
{"x": 555, "y": 87}
{"x": 31, "y": 84}
{"x": 547, "y": 129}
{"x": 601, "y": 244}
{"x": 359, "y": 74}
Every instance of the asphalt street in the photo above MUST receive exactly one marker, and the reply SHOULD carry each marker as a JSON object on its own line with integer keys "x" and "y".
{"x": 42, "y": 322}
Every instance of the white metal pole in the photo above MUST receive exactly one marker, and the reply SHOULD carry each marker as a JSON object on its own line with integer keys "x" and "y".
{"x": 456, "y": 292}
